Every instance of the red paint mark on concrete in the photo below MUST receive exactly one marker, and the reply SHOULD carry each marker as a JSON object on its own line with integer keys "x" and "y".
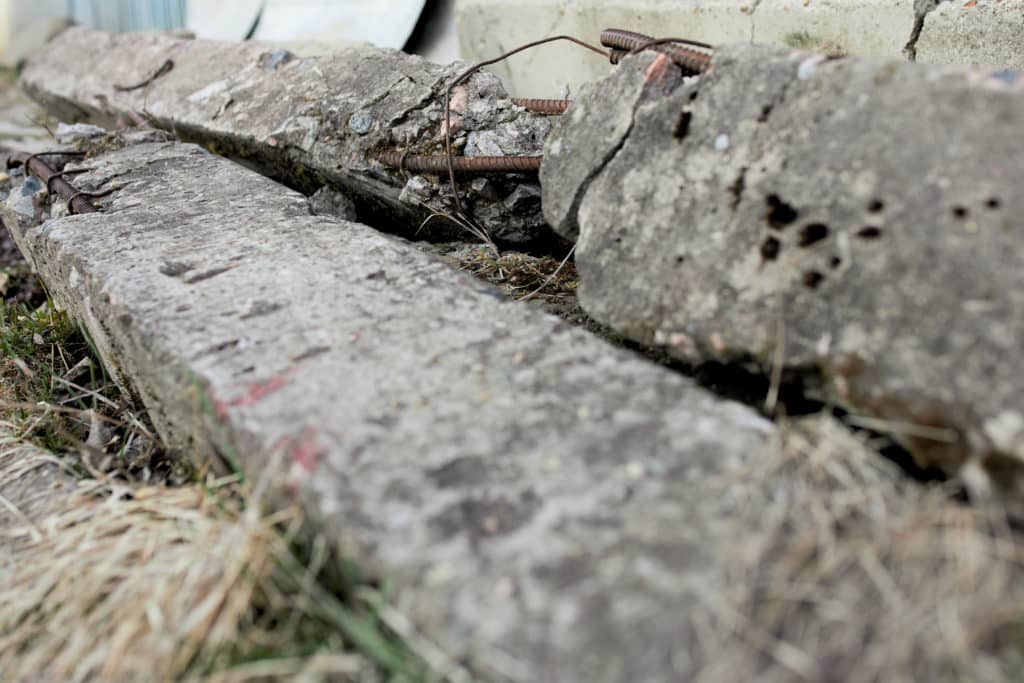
{"x": 658, "y": 70}
{"x": 252, "y": 393}
{"x": 305, "y": 450}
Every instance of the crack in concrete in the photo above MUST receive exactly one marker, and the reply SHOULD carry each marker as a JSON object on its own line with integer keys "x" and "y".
{"x": 922, "y": 8}
{"x": 753, "y": 24}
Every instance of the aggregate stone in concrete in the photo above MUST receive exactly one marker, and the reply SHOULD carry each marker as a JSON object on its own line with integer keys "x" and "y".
{"x": 856, "y": 220}
{"x": 306, "y": 120}
{"x": 542, "y": 499}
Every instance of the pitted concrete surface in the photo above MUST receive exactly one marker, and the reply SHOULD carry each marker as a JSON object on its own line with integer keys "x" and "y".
{"x": 308, "y": 121}
{"x": 541, "y": 497}
{"x": 986, "y": 32}
{"x": 853, "y": 219}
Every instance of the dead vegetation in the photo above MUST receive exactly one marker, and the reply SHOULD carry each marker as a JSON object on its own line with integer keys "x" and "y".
{"x": 845, "y": 570}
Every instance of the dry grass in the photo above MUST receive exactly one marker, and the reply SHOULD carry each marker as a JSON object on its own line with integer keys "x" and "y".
{"x": 118, "y": 563}
{"x": 125, "y": 583}
{"x": 847, "y": 571}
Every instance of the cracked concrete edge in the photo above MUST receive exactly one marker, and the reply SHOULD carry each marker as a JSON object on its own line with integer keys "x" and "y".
{"x": 463, "y": 445}
{"x": 880, "y": 28}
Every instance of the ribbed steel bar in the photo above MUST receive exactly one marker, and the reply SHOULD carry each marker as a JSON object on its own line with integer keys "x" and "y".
{"x": 691, "y": 60}
{"x": 543, "y": 106}
{"x": 78, "y": 202}
{"x": 467, "y": 165}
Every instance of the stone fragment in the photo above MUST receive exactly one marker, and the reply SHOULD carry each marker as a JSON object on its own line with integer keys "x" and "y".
{"x": 329, "y": 202}
{"x": 69, "y": 134}
{"x": 23, "y": 200}
{"x": 857, "y": 220}
{"x": 308, "y": 120}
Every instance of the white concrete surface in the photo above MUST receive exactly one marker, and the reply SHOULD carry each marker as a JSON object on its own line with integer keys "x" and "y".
{"x": 984, "y": 32}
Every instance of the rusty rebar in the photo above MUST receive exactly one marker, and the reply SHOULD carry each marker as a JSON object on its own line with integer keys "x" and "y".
{"x": 543, "y": 106}
{"x": 78, "y": 202}
{"x": 623, "y": 42}
{"x": 467, "y": 165}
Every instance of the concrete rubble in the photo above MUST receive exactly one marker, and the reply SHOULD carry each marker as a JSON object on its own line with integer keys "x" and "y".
{"x": 486, "y": 455}
{"x": 855, "y": 220}
{"x": 308, "y": 121}
{"x": 550, "y": 507}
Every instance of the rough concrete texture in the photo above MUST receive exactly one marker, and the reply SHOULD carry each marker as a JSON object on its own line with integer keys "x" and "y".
{"x": 854, "y": 218}
{"x": 539, "y": 495}
{"x": 989, "y": 33}
{"x": 308, "y": 121}
{"x": 986, "y": 32}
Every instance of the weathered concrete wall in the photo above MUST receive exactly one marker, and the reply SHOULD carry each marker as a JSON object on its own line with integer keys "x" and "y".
{"x": 859, "y": 219}
{"x": 308, "y": 121}
{"x": 986, "y": 33}
{"x": 540, "y": 495}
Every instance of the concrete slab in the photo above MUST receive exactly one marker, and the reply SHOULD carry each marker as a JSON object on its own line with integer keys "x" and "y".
{"x": 308, "y": 121}
{"x": 985, "y": 33}
{"x": 853, "y": 220}
{"x": 540, "y": 496}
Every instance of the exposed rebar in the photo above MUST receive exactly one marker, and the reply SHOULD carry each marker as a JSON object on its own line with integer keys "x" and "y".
{"x": 78, "y": 202}
{"x": 543, "y": 106}
{"x": 468, "y": 165}
{"x": 623, "y": 42}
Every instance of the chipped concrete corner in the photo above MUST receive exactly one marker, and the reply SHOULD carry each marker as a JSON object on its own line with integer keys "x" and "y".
{"x": 308, "y": 121}
{"x": 841, "y": 216}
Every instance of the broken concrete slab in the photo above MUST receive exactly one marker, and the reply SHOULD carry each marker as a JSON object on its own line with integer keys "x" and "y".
{"x": 311, "y": 121}
{"x": 853, "y": 219}
{"x": 537, "y": 493}
{"x": 986, "y": 33}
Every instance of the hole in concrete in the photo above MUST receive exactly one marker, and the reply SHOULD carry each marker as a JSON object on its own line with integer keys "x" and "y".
{"x": 682, "y": 128}
{"x": 960, "y": 212}
{"x": 766, "y": 111}
{"x": 693, "y": 95}
{"x": 993, "y": 203}
{"x": 876, "y": 206}
{"x": 869, "y": 233}
{"x": 811, "y": 233}
{"x": 812, "y": 279}
{"x": 780, "y": 214}
{"x": 680, "y": 260}
{"x": 835, "y": 262}
{"x": 770, "y": 249}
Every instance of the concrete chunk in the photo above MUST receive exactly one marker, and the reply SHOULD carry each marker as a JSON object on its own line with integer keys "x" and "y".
{"x": 308, "y": 121}
{"x": 858, "y": 220}
{"x": 536, "y": 492}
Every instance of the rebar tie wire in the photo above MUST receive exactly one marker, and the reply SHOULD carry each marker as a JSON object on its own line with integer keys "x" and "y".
{"x": 78, "y": 201}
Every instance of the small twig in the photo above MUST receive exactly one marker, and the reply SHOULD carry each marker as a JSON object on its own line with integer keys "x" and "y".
{"x": 47, "y": 407}
{"x": 36, "y": 533}
{"x": 778, "y": 361}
